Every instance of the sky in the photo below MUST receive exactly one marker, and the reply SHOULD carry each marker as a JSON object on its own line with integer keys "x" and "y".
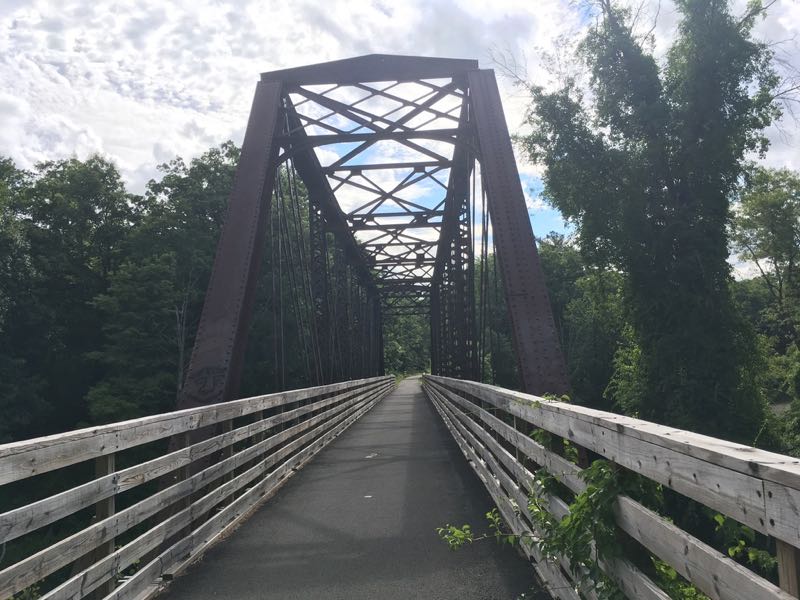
{"x": 143, "y": 81}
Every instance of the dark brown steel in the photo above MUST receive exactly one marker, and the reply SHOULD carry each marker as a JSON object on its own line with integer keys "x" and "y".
{"x": 401, "y": 232}
{"x": 319, "y": 190}
{"x": 215, "y": 367}
{"x": 373, "y": 67}
{"x": 541, "y": 364}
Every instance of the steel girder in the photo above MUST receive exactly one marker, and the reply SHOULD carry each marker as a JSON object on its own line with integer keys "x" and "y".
{"x": 541, "y": 364}
{"x": 385, "y": 146}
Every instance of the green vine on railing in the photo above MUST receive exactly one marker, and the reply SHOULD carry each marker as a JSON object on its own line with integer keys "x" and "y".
{"x": 587, "y": 534}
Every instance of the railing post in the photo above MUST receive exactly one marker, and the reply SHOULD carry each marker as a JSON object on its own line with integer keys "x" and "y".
{"x": 258, "y": 416}
{"x": 788, "y": 568}
{"x": 105, "y": 465}
{"x": 227, "y": 452}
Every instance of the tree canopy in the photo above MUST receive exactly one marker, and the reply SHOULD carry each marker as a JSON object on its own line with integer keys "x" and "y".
{"x": 646, "y": 166}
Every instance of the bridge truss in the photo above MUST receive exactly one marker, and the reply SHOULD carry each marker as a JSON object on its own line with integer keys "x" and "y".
{"x": 407, "y": 174}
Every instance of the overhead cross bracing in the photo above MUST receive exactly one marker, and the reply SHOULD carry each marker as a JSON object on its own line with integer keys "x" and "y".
{"x": 386, "y": 150}
{"x": 405, "y": 162}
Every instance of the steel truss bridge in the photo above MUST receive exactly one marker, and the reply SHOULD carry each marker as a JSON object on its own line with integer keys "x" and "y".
{"x": 382, "y": 181}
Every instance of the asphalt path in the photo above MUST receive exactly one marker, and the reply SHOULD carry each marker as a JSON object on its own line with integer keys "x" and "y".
{"x": 358, "y": 522}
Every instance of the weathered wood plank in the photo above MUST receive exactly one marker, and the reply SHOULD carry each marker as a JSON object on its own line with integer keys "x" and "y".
{"x": 201, "y": 537}
{"x": 737, "y": 457}
{"x": 551, "y": 576}
{"x": 28, "y": 571}
{"x": 20, "y": 460}
{"x": 632, "y": 581}
{"x": 789, "y": 568}
{"x": 732, "y": 493}
{"x": 556, "y": 465}
{"x": 86, "y": 581}
{"x": 307, "y": 455}
{"x": 489, "y": 469}
{"x": 32, "y": 516}
{"x": 105, "y": 465}
{"x": 783, "y": 512}
{"x": 713, "y": 572}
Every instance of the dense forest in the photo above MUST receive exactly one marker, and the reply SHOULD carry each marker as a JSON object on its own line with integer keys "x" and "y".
{"x": 652, "y": 160}
{"x": 101, "y": 289}
{"x": 675, "y": 294}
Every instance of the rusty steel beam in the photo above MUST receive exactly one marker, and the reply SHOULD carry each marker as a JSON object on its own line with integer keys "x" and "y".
{"x": 417, "y": 166}
{"x": 319, "y": 190}
{"x": 215, "y": 367}
{"x": 541, "y": 364}
{"x": 373, "y": 67}
{"x": 432, "y": 277}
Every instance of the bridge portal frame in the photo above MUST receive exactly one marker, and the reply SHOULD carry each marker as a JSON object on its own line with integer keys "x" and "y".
{"x": 215, "y": 367}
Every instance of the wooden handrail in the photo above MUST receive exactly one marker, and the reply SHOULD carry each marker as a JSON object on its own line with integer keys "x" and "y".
{"x": 757, "y": 488}
{"x": 26, "y": 458}
{"x": 234, "y": 470}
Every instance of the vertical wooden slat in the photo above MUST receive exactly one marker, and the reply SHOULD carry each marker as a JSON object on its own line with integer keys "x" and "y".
{"x": 105, "y": 465}
{"x": 227, "y": 452}
{"x": 789, "y": 568}
{"x": 259, "y": 437}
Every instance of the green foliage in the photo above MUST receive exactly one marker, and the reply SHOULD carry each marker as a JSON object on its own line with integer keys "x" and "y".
{"x": 741, "y": 544}
{"x": 65, "y": 225}
{"x": 668, "y": 580}
{"x": 150, "y": 309}
{"x": 588, "y": 531}
{"x": 456, "y": 537}
{"x": 627, "y": 385}
{"x": 101, "y": 292}
{"x": 646, "y": 172}
{"x": 407, "y": 345}
{"x": 588, "y": 311}
{"x": 767, "y": 232}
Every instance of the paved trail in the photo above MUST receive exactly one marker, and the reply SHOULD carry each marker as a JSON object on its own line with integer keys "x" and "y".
{"x": 358, "y": 522}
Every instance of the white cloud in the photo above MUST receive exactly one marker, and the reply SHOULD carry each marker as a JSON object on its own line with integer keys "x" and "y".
{"x": 144, "y": 80}
{"x": 535, "y": 203}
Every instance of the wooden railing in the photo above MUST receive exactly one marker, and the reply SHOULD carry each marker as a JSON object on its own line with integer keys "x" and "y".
{"x": 160, "y": 491}
{"x": 758, "y": 489}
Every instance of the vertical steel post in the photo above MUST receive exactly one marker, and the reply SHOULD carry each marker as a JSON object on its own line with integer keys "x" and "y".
{"x": 541, "y": 364}
{"x": 320, "y": 286}
{"x": 214, "y": 371}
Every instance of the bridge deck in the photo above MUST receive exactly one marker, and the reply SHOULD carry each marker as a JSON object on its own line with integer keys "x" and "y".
{"x": 358, "y": 522}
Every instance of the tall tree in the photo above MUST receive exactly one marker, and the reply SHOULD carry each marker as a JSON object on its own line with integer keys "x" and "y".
{"x": 151, "y": 309}
{"x": 407, "y": 344}
{"x": 646, "y": 167}
{"x": 767, "y": 233}
{"x": 21, "y": 401}
{"x": 69, "y": 219}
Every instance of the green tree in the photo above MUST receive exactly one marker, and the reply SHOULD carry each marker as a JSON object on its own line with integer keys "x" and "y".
{"x": 587, "y": 307}
{"x": 69, "y": 220}
{"x": 596, "y": 325}
{"x": 645, "y": 167}
{"x": 407, "y": 344}
{"x": 767, "y": 233}
{"x": 20, "y": 387}
{"x": 151, "y": 309}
